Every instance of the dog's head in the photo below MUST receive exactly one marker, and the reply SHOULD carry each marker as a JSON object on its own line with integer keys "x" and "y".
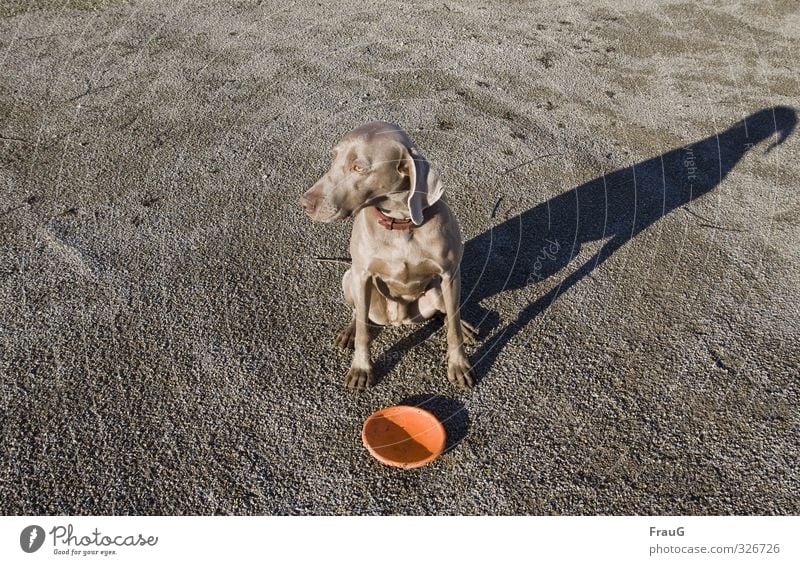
{"x": 374, "y": 165}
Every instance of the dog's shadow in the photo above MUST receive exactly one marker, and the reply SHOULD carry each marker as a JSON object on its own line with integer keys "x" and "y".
{"x": 540, "y": 242}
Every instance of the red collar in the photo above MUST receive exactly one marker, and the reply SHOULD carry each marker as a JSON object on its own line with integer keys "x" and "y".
{"x": 390, "y": 223}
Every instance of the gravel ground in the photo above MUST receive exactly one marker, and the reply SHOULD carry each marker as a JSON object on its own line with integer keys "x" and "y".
{"x": 166, "y": 333}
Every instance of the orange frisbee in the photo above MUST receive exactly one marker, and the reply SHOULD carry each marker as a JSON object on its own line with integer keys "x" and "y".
{"x": 403, "y": 436}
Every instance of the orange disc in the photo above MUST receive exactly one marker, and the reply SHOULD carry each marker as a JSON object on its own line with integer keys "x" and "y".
{"x": 403, "y": 436}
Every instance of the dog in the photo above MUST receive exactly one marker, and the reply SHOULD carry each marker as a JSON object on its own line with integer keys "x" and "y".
{"x": 405, "y": 244}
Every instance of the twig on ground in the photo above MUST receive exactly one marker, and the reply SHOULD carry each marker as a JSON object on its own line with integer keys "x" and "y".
{"x": 92, "y": 90}
{"x": 345, "y": 260}
{"x": 515, "y": 167}
{"x": 709, "y": 224}
{"x": 723, "y": 228}
{"x": 496, "y": 205}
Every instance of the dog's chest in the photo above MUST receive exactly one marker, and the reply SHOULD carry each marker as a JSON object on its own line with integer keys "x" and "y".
{"x": 403, "y": 272}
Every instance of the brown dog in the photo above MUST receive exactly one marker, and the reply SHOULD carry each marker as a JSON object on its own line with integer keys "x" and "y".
{"x": 405, "y": 245}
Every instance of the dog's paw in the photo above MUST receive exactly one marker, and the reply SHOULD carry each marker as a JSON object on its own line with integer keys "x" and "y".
{"x": 359, "y": 379}
{"x": 346, "y": 338}
{"x": 459, "y": 372}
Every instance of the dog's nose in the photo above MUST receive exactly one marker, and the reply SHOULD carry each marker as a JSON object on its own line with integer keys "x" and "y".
{"x": 307, "y": 203}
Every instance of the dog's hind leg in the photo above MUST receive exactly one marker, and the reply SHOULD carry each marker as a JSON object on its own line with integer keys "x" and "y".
{"x": 470, "y": 332}
{"x": 347, "y": 335}
{"x": 432, "y": 303}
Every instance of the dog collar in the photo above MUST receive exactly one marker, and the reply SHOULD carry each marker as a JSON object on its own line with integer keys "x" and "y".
{"x": 390, "y": 223}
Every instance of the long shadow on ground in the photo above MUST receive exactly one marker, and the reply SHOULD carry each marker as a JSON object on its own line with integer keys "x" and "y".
{"x": 538, "y": 243}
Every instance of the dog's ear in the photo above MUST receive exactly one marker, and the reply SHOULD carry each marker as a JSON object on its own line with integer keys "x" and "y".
{"x": 425, "y": 188}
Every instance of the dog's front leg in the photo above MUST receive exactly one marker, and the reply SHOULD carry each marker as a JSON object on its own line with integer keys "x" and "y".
{"x": 459, "y": 370}
{"x": 360, "y": 376}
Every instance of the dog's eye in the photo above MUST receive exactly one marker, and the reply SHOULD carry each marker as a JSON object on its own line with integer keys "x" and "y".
{"x": 359, "y": 169}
